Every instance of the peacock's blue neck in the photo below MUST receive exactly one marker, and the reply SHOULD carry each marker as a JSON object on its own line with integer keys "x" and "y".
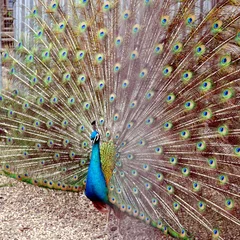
{"x": 95, "y": 157}
{"x": 96, "y": 188}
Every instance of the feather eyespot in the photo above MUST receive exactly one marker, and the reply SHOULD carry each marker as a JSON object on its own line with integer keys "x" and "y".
{"x": 117, "y": 67}
{"x": 158, "y": 48}
{"x": 147, "y": 2}
{"x": 185, "y": 171}
{"x": 212, "y": 162}
{"x": 134, "y": 55}
{"x": 217, "y": 26}
{"x": 170, "y": 189}
{"x": 143, "y": 73}
{"x": 177, "y": 48}
{"x": 126, "y": 14}
{"x": 201, "y": 206}
{"x": 164, "y": 21}
{"x": 227, "y": 94}
{"x": 99, "y": 58}
{"x": 185, "y": 134}
{"x": 176, "y": 206}
{"x": 190, "y": 20}
{"x": 159, "y": 176}
{"x": 173, "y": 160}
{"x": 106, "y": 6}
{"x": 82, "y": 27}
{"x": 136, "y": 28}
{"x": 229, "y": 203}
{"x": 102, "y": 33}
{"x": 215, "y": 233}
{"x": 118, "y": 41}
{"x": 201, "y": 145}
{"x": 237, "y": 150}
{"x": 83, "y": 3}
{"x": 167, "y": 71}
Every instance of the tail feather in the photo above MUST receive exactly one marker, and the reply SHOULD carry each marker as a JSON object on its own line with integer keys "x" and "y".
{"x": 160, "y": 78}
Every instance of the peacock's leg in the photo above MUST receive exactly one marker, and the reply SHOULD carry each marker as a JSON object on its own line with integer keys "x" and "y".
{"x": 105, "y": 231}
{"x": 108, "y": 217}
{"x": 118, "y": 231}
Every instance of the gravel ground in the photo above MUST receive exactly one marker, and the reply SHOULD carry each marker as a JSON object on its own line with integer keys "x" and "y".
{"x": 31, "y": 213}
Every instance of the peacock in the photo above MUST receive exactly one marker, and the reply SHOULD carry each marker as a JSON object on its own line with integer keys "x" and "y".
{"x": 135, "y": 103}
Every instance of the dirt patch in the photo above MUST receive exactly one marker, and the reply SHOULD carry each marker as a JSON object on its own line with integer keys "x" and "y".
{"x": 32, "y": 213}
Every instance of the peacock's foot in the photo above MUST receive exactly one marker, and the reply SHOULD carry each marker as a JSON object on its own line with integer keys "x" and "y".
{"x": 117, "y": 235}
{"x": 101, "y": 235}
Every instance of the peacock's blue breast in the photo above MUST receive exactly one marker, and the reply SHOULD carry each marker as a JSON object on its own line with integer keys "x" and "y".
{"x": 96, "y": 188}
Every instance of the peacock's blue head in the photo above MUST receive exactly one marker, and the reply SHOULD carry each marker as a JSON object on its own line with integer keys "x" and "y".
{"x": 95, "y": 137}
{"x": 94, "y": 134}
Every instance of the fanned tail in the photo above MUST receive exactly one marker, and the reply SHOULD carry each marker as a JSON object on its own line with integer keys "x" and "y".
{"x": 161, "y": 78}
